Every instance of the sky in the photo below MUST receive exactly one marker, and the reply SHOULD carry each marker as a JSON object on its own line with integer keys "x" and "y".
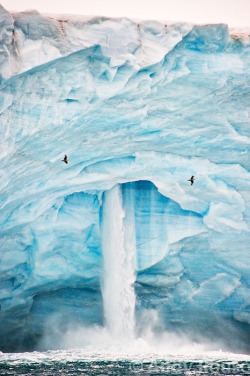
{"x": 235, "y": 13}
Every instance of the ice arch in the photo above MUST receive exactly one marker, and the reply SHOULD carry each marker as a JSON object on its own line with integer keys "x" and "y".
{"x": 59, "y": 255}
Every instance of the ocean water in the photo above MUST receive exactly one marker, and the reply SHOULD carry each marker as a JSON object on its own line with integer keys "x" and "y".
{"x": 87, "y": 362}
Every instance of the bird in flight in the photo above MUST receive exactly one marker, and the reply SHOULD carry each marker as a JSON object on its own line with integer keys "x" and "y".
{"x": 192, "y": 179}
{"x": 65, "y": 159}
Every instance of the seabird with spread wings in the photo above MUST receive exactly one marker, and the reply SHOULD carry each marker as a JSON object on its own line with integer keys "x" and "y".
{"x": 192, "y": 179}
{"x": 65, "y": 159}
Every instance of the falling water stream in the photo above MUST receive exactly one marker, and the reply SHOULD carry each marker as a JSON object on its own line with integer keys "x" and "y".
{"x": 118, "y": 243}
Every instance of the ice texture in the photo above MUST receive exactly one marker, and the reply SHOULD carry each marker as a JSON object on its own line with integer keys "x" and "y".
{"x": 144, "y": 105}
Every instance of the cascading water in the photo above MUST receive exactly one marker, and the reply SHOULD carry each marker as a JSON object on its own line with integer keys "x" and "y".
{"x": 118, "y": 243}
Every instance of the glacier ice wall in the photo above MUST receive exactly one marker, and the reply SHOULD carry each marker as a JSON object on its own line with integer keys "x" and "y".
{"x": 142, "y": 105}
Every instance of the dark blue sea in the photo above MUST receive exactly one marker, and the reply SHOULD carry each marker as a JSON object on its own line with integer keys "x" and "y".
{"x": 87, "y": 362}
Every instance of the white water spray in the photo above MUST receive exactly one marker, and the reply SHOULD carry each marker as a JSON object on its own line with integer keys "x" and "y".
{"x": 118, "y": 243}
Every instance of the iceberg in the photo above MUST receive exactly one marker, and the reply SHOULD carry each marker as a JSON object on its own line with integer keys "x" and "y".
{"x": 138, "y": 108}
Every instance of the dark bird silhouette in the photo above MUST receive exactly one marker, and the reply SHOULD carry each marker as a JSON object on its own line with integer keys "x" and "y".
{"x": 65, "y": 159}
{"x": 192, "y": 179}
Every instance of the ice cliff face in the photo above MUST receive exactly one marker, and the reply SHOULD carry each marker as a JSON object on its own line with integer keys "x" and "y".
{"x": 145, "y": 106}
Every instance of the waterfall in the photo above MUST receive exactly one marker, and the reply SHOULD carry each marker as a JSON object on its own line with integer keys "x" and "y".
{"x": 118, "y": 244}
